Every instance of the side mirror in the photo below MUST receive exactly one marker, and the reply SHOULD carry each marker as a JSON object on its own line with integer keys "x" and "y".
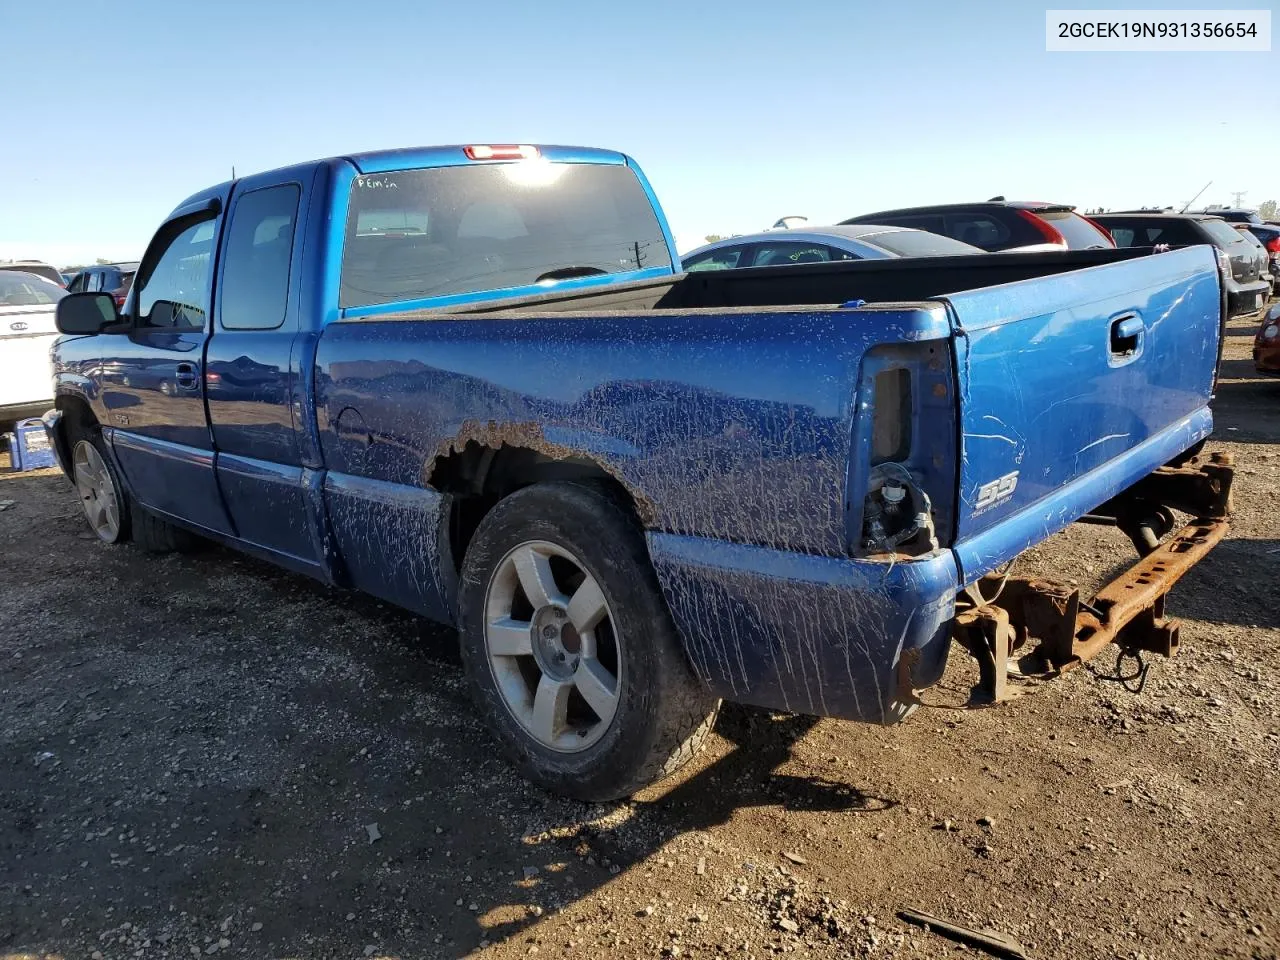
{"x": 86, "y": 313}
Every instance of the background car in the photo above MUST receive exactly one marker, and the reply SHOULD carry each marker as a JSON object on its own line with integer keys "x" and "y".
{"x": 37, "y": 267}
{"x": 1268, "y": 235}
{"x": 112, "y": 278}
{"x": 1243, "y": 264}
{"x": 774, "y": 248}
{"x": 27, "y": 306}
{"x": 1252, "y": 238}
{"x": 1232, "y": 214}
{"x": 1001, "y": 225}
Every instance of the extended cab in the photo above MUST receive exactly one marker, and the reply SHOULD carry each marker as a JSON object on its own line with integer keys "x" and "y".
{"x": 470, "y": 381}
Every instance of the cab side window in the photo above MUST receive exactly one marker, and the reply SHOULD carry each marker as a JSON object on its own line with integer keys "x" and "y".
{"x": 173, "y": 286}
{"x": 255, "y": 280}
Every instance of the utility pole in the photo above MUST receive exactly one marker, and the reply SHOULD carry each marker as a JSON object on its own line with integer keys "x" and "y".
{"x": 1239, "y": 197}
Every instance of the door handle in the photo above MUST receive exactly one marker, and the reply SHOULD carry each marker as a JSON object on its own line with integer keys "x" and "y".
{"x": 186, "y": 375}
{"x": 1126, "y": 336}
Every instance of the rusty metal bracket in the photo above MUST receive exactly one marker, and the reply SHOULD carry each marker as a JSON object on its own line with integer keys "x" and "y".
{"x": 1067, "y": 631}
{"x": 988, "y": 635}
{"x": 1200, "y": 488}
{"x": 1061, "y": 629}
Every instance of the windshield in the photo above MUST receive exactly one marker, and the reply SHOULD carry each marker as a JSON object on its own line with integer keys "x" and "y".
{"x": 918, "y": 243}
{"x": 27, "y": 290}
{"x": 428, "y": 233}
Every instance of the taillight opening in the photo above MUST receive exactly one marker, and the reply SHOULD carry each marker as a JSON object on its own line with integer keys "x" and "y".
{"x": 1050, "y": 234}
{"x": 1273, "y": 245}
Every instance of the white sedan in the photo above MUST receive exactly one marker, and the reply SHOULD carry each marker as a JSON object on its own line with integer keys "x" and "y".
{"x": 27, "y": 331}
{"x": 776, "y": 248}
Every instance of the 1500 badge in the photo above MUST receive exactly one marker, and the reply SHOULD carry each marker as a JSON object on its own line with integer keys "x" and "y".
{"x": 995, "y": 492}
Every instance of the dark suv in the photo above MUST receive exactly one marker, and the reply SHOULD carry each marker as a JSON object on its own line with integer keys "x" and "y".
{"x": 1232, "y": 214}
{"x": 112, "y": 278}
{"x": 1001, "y": 225}
{"x": 1243, "y": 263}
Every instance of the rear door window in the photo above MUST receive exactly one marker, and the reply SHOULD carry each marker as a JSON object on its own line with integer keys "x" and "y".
{"x": 255, "y": 280}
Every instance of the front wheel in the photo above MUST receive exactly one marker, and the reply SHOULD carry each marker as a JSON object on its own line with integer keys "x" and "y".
{"x": 569, "y": 648}
{"x": 101, "y": 496}
{"x": 111, "y": 512}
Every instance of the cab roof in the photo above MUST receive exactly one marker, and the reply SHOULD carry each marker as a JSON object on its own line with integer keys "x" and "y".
{"x": 408, "y": 158}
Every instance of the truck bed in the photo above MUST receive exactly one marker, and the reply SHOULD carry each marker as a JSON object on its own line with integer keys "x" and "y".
{"x": 905, "y": 280}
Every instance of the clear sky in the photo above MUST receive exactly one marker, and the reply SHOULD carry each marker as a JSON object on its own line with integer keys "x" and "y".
{"x": 740, "y": 112}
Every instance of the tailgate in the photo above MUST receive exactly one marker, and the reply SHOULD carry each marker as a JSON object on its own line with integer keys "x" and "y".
{"x": 1074, "y": 386}
{"x": 26, "y": 334}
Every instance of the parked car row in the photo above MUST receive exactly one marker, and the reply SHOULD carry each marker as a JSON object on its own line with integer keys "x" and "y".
{"x": 1248, "y": 248}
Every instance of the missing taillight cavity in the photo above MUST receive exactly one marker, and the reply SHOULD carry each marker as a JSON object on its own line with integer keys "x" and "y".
{"x": 891, "y": 416}
{"x": 897, "y": 516}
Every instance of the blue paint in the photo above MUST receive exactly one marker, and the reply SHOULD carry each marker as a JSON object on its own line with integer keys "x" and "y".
{"x": 393, "y": 541}
{"x": 1040, "y": 395}
{"x": 723, "y": 422}
{"x": 171, "y": 478}
{"x": 999, "y": 543}
{"x": 806, "y": 634}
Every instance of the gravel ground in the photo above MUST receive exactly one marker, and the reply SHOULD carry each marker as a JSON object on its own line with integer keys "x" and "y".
{"x": 202, "y": 755}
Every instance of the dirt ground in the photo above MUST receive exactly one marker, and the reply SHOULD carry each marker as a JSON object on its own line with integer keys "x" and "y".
{"x": 200, "y": 755}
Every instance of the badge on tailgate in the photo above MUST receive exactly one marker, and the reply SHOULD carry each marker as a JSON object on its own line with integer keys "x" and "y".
{"x": 995, "y": 492}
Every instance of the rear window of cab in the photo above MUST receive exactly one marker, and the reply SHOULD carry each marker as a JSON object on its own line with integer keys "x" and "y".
{"x": 417, "y": 234}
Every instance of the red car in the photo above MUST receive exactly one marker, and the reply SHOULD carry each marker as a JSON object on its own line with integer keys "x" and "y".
{"x": 1266, "y": 345}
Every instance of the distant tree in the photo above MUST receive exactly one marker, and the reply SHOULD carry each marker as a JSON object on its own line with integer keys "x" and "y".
{"x": 102, "y": 261}
{"x": 1267, "y": 210}
{"x": 713, "y": 237}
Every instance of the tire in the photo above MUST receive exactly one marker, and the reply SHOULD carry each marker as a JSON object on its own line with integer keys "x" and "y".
{"x": 159, "y": 536}
{"x": 598, "y": 741}
{"x": 133, "y": 522}
{"x": 102, "y": 496}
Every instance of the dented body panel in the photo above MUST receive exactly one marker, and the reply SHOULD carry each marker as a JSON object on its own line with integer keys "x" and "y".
{"x": 817, "y": 484}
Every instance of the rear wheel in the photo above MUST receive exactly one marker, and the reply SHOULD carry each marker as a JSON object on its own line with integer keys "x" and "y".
{"x": 571, "y": 653}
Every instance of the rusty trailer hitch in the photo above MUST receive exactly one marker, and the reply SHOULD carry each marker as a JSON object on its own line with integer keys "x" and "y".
{"x": 1067, "y": 630}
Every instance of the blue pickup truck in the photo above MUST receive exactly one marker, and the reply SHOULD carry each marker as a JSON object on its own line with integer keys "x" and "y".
{"x": 473, "y": 382}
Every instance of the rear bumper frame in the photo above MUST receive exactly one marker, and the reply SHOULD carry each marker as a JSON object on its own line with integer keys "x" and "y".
{"x": 1061, "y": 629}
